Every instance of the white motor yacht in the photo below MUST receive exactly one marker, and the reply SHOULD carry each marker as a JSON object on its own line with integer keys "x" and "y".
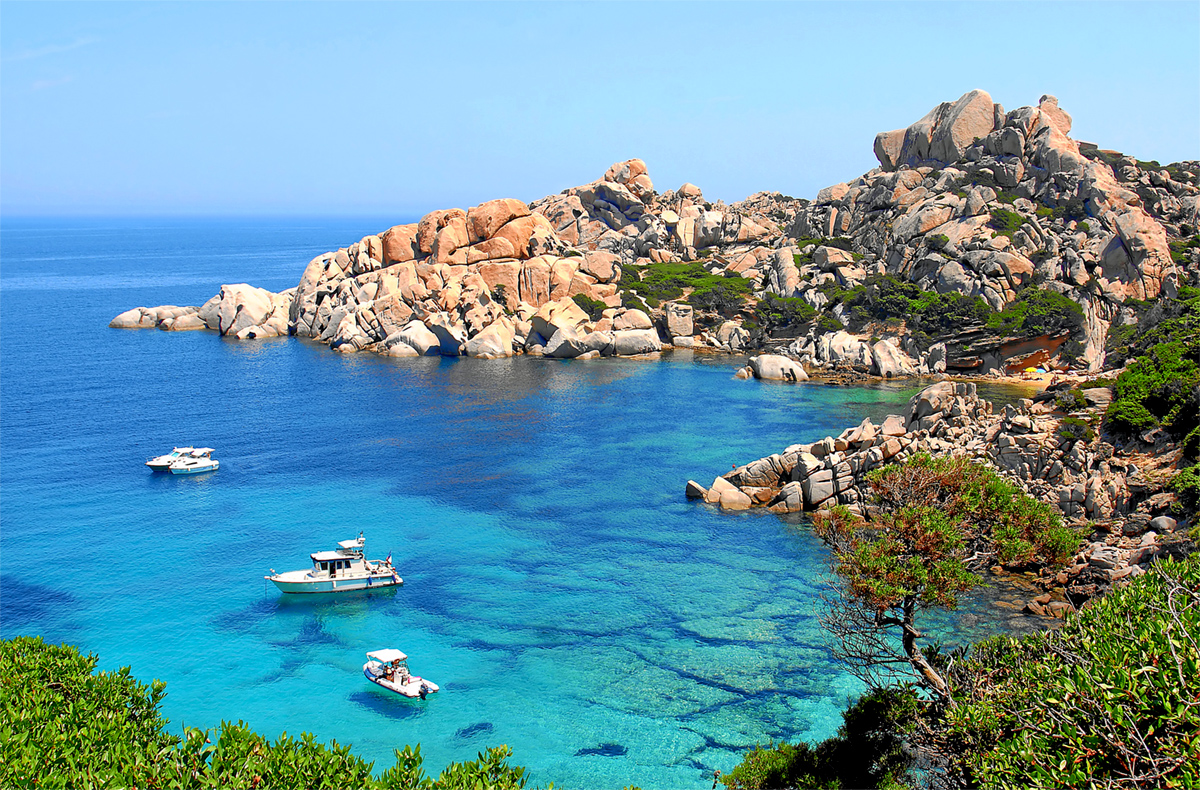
{"x": 345, "y": 568}
{"x": 163, "y": 462}
{"x": 193, "y": 463}
{"x": 388, "y": 669}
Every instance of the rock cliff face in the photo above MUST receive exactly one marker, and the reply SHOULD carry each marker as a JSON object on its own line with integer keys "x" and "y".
{"x": 1090, "y": 224}
{"x": 1117, "y": 492}
{"x": 1093, "y": 225}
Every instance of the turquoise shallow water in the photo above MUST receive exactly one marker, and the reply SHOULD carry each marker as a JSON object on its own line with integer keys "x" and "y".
{"x": 568, "y": 599}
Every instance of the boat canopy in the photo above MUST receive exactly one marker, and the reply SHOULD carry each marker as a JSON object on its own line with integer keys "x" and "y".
{"x": 199, "y": 451}
{"x": 329, "y": 556}
{"x": 351, "y": 545}
{"x": 387, "y": 655}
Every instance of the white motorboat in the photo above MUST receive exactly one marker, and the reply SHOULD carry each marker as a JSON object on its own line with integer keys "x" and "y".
{"x": 346, "y": 568}
{"x": 388, "y": 669}
{"x": 198, "y": 460}
{"x": 163, "y": 462}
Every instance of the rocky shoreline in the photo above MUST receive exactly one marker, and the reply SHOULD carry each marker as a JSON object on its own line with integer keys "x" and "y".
{"x": 970, "y": 201}
{"x": 1113, "y": 495}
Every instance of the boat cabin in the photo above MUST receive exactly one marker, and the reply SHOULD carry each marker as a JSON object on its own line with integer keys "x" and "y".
{"x": 348, "y": 556}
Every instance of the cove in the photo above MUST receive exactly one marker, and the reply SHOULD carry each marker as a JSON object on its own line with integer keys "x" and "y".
{"x": 568, "y": 599}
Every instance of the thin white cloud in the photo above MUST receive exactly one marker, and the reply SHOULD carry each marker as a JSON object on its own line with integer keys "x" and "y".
{"x": 49, "y": 49}
{"x": 41, "y": 85}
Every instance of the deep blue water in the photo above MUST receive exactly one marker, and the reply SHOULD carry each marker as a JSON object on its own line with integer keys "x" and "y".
{"x": 569, "y": 600}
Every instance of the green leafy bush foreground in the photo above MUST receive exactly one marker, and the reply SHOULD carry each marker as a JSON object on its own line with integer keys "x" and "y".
{"x": 66, "y": 726}
{"x": 1112, "y": 699}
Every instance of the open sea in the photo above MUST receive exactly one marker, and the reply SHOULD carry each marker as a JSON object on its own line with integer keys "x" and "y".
{"x": 558, "y": 586}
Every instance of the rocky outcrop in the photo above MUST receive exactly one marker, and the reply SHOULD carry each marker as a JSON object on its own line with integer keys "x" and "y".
{"x": 775, "y": 367}
{"x": 1079, "y": 221}
{"x": 1091, "y": 224}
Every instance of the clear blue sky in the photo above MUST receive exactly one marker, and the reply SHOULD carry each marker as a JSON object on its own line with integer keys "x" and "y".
{"x": 380, "y": 108}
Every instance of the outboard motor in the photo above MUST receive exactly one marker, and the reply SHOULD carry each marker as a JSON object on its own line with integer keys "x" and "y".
{"x": 424, "y": 690}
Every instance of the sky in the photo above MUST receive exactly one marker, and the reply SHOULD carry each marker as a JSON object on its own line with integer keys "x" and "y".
{"x": 281, "y": 108}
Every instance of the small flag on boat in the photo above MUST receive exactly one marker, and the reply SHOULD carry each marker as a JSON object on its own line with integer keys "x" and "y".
{"x": 389, "y": 559}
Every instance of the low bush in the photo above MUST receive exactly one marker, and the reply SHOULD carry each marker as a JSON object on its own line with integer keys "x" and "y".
{"x": 868, "y": 750}
{"x": 1107, "y": 700}
{"x": 65, "y": 725}
{"x": 780, "y": 312}
{"x": 1036, "y": 311}
{"x": 1074, "y": 429}
{"x": 1005, "y": 222}
{"x": 593, "y": 307}
{"x": 1157, "y": 389}
{"x": 661, "y": 282}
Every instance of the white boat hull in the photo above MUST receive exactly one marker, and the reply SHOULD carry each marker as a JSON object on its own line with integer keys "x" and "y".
{"x": 178, "y": 469}
{"x": 410, "y": 689}
{"x": 302, "y": 582}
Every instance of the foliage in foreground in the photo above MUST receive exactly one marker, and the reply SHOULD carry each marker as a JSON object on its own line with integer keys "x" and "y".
{"x": 65, "y": 727}
{"x": 1112, "y": 699}
{"x": 868, "y": 751}
{"x": 940, "y": 521}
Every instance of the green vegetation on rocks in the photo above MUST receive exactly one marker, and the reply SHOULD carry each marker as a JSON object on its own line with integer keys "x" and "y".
{"x": 66, "y": 726}
{"x": 661, "y": 282}
{"x": 1112, "y": 699}
{"x": 593, "y": 307}
{"x": 1037, "y": 311}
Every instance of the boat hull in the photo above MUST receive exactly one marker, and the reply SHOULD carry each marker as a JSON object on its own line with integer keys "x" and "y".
{"x": 411, "y": 689}
{"x": 301, "y": 586}
{"x": 194, "y": 470}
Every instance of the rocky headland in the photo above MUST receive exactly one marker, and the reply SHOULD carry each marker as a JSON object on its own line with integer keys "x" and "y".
{"x": 1114, "y": 494}
{"x": 968, "y": 203}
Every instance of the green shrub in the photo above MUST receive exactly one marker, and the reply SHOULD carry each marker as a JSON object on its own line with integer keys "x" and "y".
{"x": 593, "y": 307}
{"x": 1074, "y": 429}
{"x": 829, "y": 323}
{"x": 779, "y": 312}
{"x": 1108, "y": 696}
{"x": 937, "y": 241}
{"x": 868, "y": 750}
{"x": 1162, "y": 384}
{"x": 1186, "y": 485}
{"x": 1005, "y": 222}
{"x": 1127, "y": 418}
{"x": 1036, "y": 311}
{"x": 1070, "y": 400}
{"x": 65, "y": 725}
{"x": 662, "y": 282}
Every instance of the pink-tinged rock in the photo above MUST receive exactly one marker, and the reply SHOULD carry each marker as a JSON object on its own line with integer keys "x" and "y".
{"x": 624, "y": 172}
{"x": 137, "y": 318}
{"x": 1058, "y": 117}
{"x": 485, "y": 219}
{"x": 519, "y": 231}
{"x": 553, "y": 316}
{"x": 449, "y": 239}
{"x": 237, "y": 307}
{"x": 776, "y": 367}
{"x": 893, "y": 426}
{"x": 887, "y": 148}
{"x": 694, "y": 490}
{"x": 189, "y": 322}
{"x": 491, "y": 249}
{"x": 505, "y": 273}
{"x": 832, "y": 194}
{"x": 452, "y": 339}
{"x": 562, "y": 271}
{"x": 689, "y": 190}
{"x": 970, "y": 118}
{"x": 535, "y": 282}
{"x": 1146, "y": 242}
{"x": 431, "y": 223}
{"x": 494, "y": 342}
{"x": 400, "y": 244}
{"x": 602, "y": 265}
{"x": 632, "y": 319}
